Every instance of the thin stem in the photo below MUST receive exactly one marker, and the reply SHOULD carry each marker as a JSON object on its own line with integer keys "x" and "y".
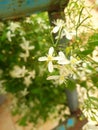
{"x": 59, "y": 37}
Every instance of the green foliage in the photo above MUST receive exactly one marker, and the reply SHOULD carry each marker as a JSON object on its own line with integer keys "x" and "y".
{"x": 21, "y": 74}
{"x": 40, "y": 98}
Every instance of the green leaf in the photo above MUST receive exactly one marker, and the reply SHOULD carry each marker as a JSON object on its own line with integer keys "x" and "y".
{"x": 23, "y": 121}
{"x": 93, "y": 40}
{"x": 93, "y": 118}
{"x": 86, "y": 52}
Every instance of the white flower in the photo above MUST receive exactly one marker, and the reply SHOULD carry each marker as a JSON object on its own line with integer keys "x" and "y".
{"x": 85, "y": 68}
{"x": 60, "y": 78}
{"x": 18, "y": 71}
{"x": 26, "y": 45}
{"x": 58, "y": 25}
{"x": 32, "y": 74}
{"x": 9, "y": 36}
{"x": 24, "y": 109}
{"x": 69, "y": 35}
{"x": 22, "y": 32}
{"x": 40, "y": 20}
{"x": 27, "y": 81}
{"x": 62, "y": 59}
{"x": 49, "y": 58}
{"x": 81, "y": 75}
{"x": 24, "y": 55}
{"x": 90, "y": 126}
{"x": 13, "y": 26}
{"x": 24, "y": 92}
{"x": 91, "y": 113}
{"x": 29, "y": 20}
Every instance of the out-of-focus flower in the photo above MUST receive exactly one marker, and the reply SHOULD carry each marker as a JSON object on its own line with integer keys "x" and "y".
{"x": 85, "y": 68}
{"x": 13, "y": 26}
{"x": 40, "y": 21}
{"x": 26, "y": 45}
{"x": 28, "y": 20}
{"x": 81, "y": 75}
{"x": 22, "y": 32}
{"x": 32, "y": 74}
{"x": 62, "y": 59}
{"x": 83, "y": 71}
{"x": 90, "y": 126}
{"x": 27, "y": 80}
{"x": 24, "y": 109}
{"x": 88, "y": 113}
{"x": 95, "y": 54}
{"x": 24, "y": 56}
{"x": 24, "y": 92}
{"x": 18, "y": 71}
{"x": 61, "y": 77}
{"x": 58, "y": 25}
{"x": 9, "y": 36}
{"x": 58, "y": 78}
{"x": 49, "y": 58}
{"x": 69, "y": 34}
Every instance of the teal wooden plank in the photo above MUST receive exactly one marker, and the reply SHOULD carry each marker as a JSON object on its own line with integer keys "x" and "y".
{"x": 62, "y": 127}
{"x": 3, "y": 2}
{"x": 16, "y": 8}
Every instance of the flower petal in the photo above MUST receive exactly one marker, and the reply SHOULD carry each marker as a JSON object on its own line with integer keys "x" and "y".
{"x": 69, "y": 36}
{"x": 50, "y": 67}
{"x": 63, "y": 60}
{"x": 44, "y": 58}
{"x": 61, "y": 54}
{"x": 56, "y": 58}
{"x": 53, "y": 77}
{"x": 55, "y": 29}
{"x": 51, "y": 50}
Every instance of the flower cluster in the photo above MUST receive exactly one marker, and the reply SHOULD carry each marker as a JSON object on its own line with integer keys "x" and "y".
{"x": 21, "y": 75}
{"x": 68, "y": 67}
{"x": 60, "y": 26}
{"x": 78, "y": 61}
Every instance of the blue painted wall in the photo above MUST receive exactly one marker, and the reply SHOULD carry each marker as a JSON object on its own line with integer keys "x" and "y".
{"x": 16, "y": 8}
